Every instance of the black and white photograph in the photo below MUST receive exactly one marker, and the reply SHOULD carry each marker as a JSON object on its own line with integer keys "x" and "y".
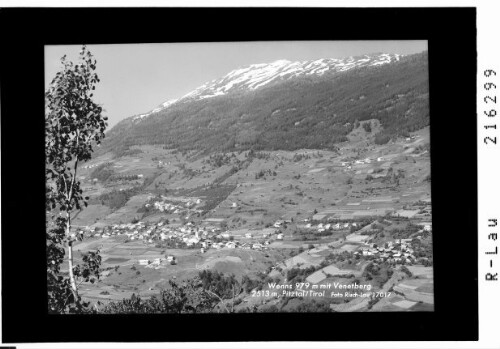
{"x": 239, "y": 177}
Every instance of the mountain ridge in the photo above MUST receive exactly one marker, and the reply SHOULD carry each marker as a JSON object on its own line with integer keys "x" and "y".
{"x": 257, "y": 75}
{"x": 306, "y": 111}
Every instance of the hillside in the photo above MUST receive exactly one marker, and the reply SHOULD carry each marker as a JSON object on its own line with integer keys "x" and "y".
{"x": 279, "y": 173}
{"x": 308, "y": 215}
{"x": 313, "y": 111}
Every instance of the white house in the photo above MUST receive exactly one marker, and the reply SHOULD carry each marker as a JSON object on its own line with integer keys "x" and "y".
{"x": 192, "y": 240}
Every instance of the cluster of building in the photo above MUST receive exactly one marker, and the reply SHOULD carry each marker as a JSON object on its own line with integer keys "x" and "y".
{"x": 426, "y": 226}
{"x": 321, "y": 227}
{"x": 162, "y": 164}
{"x": 91, "y": 166}
{"x": 158, "y": 263}
{"x": 348, "y": 164}
{"x": 234, "y": 244}
{"x": 139, "y": 230}
{"x": 164, "y": 205}
{"x": 203, "y": 237}
{"x": 226, "y": 240}
{"x": 398, "y": 252}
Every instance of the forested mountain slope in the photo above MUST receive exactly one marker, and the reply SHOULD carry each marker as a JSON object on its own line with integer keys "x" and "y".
{"x": 306, "y": 110}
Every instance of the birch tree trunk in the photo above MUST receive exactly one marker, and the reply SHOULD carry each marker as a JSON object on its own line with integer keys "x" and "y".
{"x": 70, "y": 258}
{"x": 68, "y": 233}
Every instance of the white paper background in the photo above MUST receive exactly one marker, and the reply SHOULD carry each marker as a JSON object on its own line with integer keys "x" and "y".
{"x": 488, "y": 29}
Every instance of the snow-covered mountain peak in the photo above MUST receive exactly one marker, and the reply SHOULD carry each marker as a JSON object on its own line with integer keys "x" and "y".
{"x": 258, "y": 75}
{"x": 162, "y": 106}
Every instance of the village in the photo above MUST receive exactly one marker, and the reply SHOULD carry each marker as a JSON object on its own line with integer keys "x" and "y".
{"x": 182, "y": 236}
{"x": 321, "y": 215}
{"x": 204, "y": 237}
{"x": 398, "y": 252}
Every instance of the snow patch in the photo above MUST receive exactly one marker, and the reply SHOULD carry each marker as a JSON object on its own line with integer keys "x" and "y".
{"x": 258, "y": 75}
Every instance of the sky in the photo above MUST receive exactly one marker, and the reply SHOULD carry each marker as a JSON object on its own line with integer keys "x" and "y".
{"x": 136, "y": 78}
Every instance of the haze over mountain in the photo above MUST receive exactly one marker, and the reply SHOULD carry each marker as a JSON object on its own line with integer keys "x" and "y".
{"x": 287, "y": 105}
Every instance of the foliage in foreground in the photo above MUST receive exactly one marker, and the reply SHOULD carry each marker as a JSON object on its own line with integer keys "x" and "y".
{"x": 188, "y": 297}
{"x": 73, "y": 126}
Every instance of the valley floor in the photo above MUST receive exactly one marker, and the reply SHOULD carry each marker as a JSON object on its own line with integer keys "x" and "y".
{"x": 310, "y": 220}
